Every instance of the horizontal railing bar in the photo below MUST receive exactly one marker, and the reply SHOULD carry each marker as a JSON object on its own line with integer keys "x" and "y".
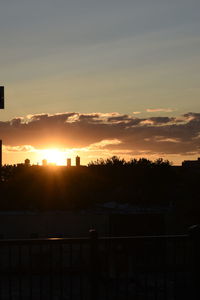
{"x": 43, "y": 241}
{"x": 146, "y": 237}
{"x": 87, "y": 239}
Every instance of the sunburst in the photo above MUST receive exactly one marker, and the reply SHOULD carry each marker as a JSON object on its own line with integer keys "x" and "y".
{"x": 55, "y": 156}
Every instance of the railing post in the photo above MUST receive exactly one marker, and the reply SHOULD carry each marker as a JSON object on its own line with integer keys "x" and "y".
{"x": 93, "y": 264}
{"x": 194, "y": 233}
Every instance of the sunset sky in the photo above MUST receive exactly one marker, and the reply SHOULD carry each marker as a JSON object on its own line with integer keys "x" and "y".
{"x": 100, "y": 78}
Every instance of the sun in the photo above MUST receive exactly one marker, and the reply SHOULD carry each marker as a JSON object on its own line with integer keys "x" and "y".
{"x": 55, "y": 156}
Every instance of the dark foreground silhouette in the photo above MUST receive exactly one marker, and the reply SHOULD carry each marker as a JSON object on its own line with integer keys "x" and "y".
{"x": 148, "y": 267}
{"x": 137, "y": 182}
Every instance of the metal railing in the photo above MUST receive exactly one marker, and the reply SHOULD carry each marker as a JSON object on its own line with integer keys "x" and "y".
{"x": 151, "y": 267}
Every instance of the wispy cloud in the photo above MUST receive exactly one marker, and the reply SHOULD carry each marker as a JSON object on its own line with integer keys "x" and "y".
{"x": 167, "y": 139}
{"x": 152, "y": 110}
{"x": 104, "y": 143}
{"x": 23, "y": 148}
{"x": 136, "y": 112}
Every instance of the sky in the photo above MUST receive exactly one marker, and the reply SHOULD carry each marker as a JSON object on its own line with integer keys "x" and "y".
{"x": 100, "y": 78}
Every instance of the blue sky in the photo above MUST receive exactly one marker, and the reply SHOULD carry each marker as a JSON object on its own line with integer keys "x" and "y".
{"x": 100, "y": 56}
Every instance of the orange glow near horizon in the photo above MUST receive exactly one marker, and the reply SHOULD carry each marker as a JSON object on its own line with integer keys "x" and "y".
{"x": 54, "y": 156}
{"x": 58, "y": 156}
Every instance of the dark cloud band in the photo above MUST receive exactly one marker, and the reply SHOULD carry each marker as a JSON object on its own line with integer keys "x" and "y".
{"x": 175, "y": 135}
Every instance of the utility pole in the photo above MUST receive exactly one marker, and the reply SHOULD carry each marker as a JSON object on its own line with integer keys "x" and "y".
{"x": 1, "y": 97}
{"x": 1, "y": 107}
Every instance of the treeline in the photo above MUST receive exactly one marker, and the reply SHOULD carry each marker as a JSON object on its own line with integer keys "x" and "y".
{"x": 141, "y": 162}
{"x": 137, "y": 182}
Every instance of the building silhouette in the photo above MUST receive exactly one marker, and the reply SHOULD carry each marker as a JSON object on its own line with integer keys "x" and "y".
{"x": 69, "y": 162}
{"x": 78, "y": 161}
{"x": 27, "y": 162}
{"x": 191, "y": 163}
{"x": 44, "y": 162}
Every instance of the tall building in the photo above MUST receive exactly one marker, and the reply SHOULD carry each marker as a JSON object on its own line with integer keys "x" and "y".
{"x": 69, "y": 162}
{"x": 78, "y": 160}
{"x": 27, "y": 162}
{"x": 44, "y": 162}
{"x": 1, "y": 97}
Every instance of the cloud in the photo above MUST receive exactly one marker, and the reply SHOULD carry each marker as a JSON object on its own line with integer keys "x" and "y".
{"x": 152, "y": 110}
{"x": 167, "y": 139}
{"x": 104, "y": 144}
{"x": 161, "y": 120}
{"x": 104, "y": 132}
{"x": 119, "y": 119}
{"x": 136, "y": 112}
{"x": 147, "y": 122}
{"x": 24, "y": 148}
